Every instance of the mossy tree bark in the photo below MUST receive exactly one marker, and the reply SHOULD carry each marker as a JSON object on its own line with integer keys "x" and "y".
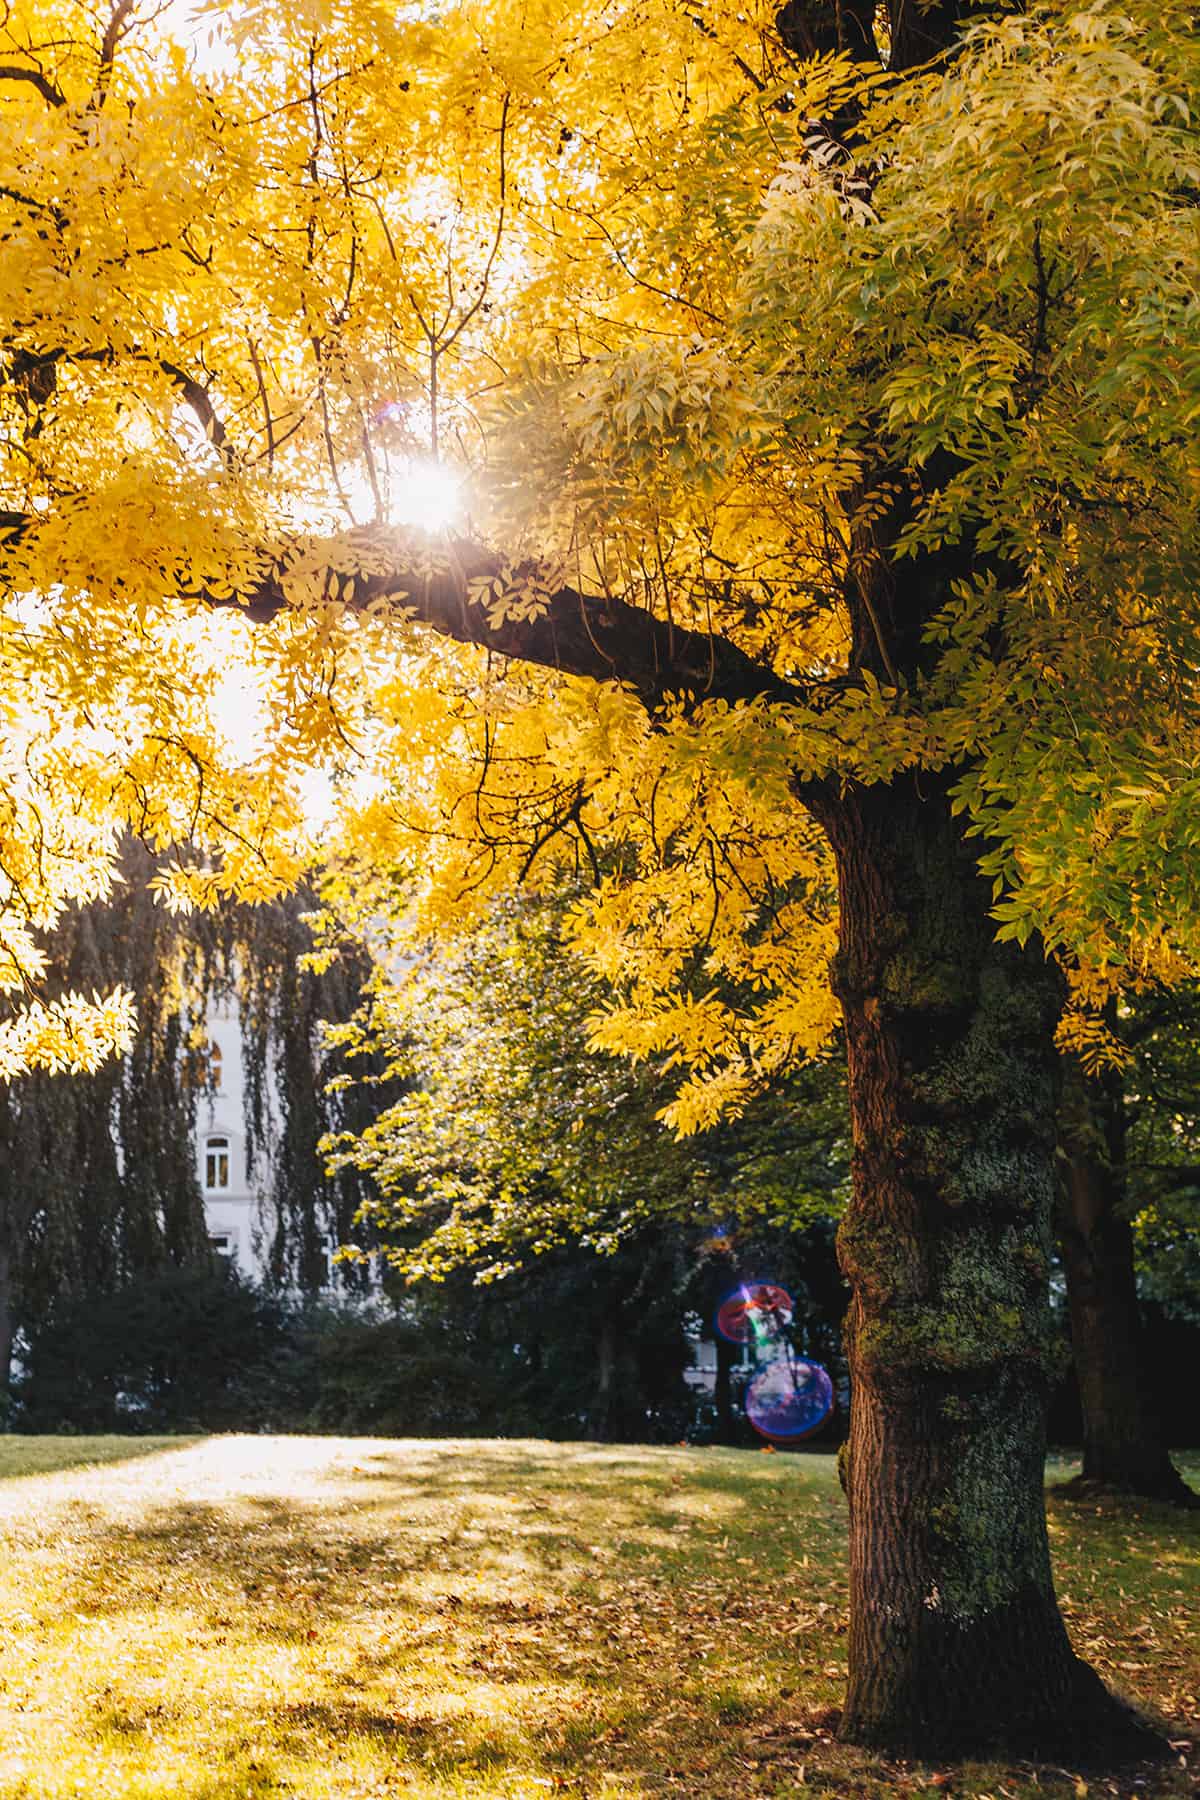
{"x": 956, "y": 1641}
{"x": 1124, "y": 1446}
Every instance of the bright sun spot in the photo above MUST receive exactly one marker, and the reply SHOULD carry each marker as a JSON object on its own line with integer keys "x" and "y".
{"x": 428, "y": 494}
{"x": 413, "y": 491}
{"x": 238, "y": 708}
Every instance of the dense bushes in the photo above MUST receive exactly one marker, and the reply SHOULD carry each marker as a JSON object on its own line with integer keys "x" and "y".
{"x": 391, "y": 1378}
{"x": 199, "y": 1349}
{"x": 579, "y": 1346}
{"x": 575, "y": 1345}
{"x": 180, "y": 1349}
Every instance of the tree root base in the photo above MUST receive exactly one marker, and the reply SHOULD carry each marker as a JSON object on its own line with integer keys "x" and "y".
{"x": 1095, "y": 1729}
{"x": 1168, "y": 1489}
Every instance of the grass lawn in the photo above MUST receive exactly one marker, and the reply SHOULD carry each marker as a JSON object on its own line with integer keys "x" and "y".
{"x": 363, "y": 1618}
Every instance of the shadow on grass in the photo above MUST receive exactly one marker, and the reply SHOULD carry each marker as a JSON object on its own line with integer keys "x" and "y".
{"x": 511, "y": 1618}
{"x": 506, "y": 1617}
{"x": 28, "y": 1455}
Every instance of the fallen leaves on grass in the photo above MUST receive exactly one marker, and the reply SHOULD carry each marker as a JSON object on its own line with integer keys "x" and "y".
{"x": 481, "y": 1621}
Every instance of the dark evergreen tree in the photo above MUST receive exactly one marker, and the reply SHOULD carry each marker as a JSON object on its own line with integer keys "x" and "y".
{"x": 99, "y": 1186}
{"x": 97, "y": 1177}
{"x": 1124, "y": 1435}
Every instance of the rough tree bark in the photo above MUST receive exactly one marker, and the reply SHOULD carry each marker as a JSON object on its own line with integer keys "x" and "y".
{"x": 956, "y": 1642}
{"x": 1124, "y": 1447}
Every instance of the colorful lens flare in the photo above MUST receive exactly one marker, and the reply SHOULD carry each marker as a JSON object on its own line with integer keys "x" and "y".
{"x": 757, "y": 1311}
{"x": 789, "y": 1399}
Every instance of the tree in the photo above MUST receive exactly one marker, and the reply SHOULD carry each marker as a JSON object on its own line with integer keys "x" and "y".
{"x": 1163, "y": 1148}
{"x": 99, "y": 1189}
{"x": 98, "y": 1184}
{"x": 846, "y": 523}
{"x": 511, "y": 1148}
{"x": 299, "y": 1088}
{"x": 1124, "y": 1423}
{"x": 503, "y": 1138}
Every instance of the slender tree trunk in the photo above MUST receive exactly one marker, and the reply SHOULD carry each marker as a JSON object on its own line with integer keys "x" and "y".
{"x": 956, "y": 1642}
{"x": 723, "y": 1391}
{"x": 1123, "y": 1443}
{"x": 600, "y": 1423}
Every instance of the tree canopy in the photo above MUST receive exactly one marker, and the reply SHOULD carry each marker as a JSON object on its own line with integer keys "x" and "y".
{"x": 506, "y": 1138}
{"x": 702, "y": 363}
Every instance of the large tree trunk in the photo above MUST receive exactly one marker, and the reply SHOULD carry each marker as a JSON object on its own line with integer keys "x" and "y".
{"x": 1123, "y": 1443}
{"x": 956, "y": 1642}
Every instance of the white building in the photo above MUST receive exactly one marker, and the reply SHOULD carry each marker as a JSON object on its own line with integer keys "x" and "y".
{"x": 235, "y": 1205}
{"x": 232, "y": 1204}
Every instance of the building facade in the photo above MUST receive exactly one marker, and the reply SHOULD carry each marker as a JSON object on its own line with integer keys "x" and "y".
{"x": 233, "y": 1206}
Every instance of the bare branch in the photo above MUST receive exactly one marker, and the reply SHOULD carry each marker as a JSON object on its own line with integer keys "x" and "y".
{"x": 268, "y": 421}
{"x": 39, "y": 208}
{"x": 485, "y": 280}
{"x": 45, "y": 87}
{"x": 114, "y": 31}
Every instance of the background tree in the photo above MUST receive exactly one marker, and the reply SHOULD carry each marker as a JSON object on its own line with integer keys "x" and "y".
{"x": 100, "y": 1197}
{"x": 1163, "y": 1148}
{"x": 509, "y": 1138}
{"x": 1125, "y": 1413}
{"x": 99, "y": 1183}
{"x": 511, "y": 1146}
{"x": 292, "y": 1005}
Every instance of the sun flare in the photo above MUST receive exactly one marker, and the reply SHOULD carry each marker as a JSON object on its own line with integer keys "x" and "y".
{"x": 416, "y": 491}
{"x": 427, "y": 493}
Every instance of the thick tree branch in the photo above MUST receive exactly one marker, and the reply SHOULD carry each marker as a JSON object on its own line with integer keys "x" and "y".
{"x": 197, "y": 398}
{"x": 581, "y": 634}
{"x": 811, "y": 28}
{"x": 36, "y": 371}
{"x": 465, "y": 593}
{"x": 115, "y": 30}
{"x": 1172, "y": 1175}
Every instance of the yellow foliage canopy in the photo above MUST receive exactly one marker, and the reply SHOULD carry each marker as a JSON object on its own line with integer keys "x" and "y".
{"x": 689, "y": 359}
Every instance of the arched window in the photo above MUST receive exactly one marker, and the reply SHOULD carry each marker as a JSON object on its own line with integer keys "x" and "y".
{"x": 214, "y": 1067}
{"x": 216, "y": 1163}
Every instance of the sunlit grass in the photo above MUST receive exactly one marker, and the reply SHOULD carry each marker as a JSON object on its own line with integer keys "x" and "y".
{"x": 44, "y": 1455}
{"x": 363, "y": 1618}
